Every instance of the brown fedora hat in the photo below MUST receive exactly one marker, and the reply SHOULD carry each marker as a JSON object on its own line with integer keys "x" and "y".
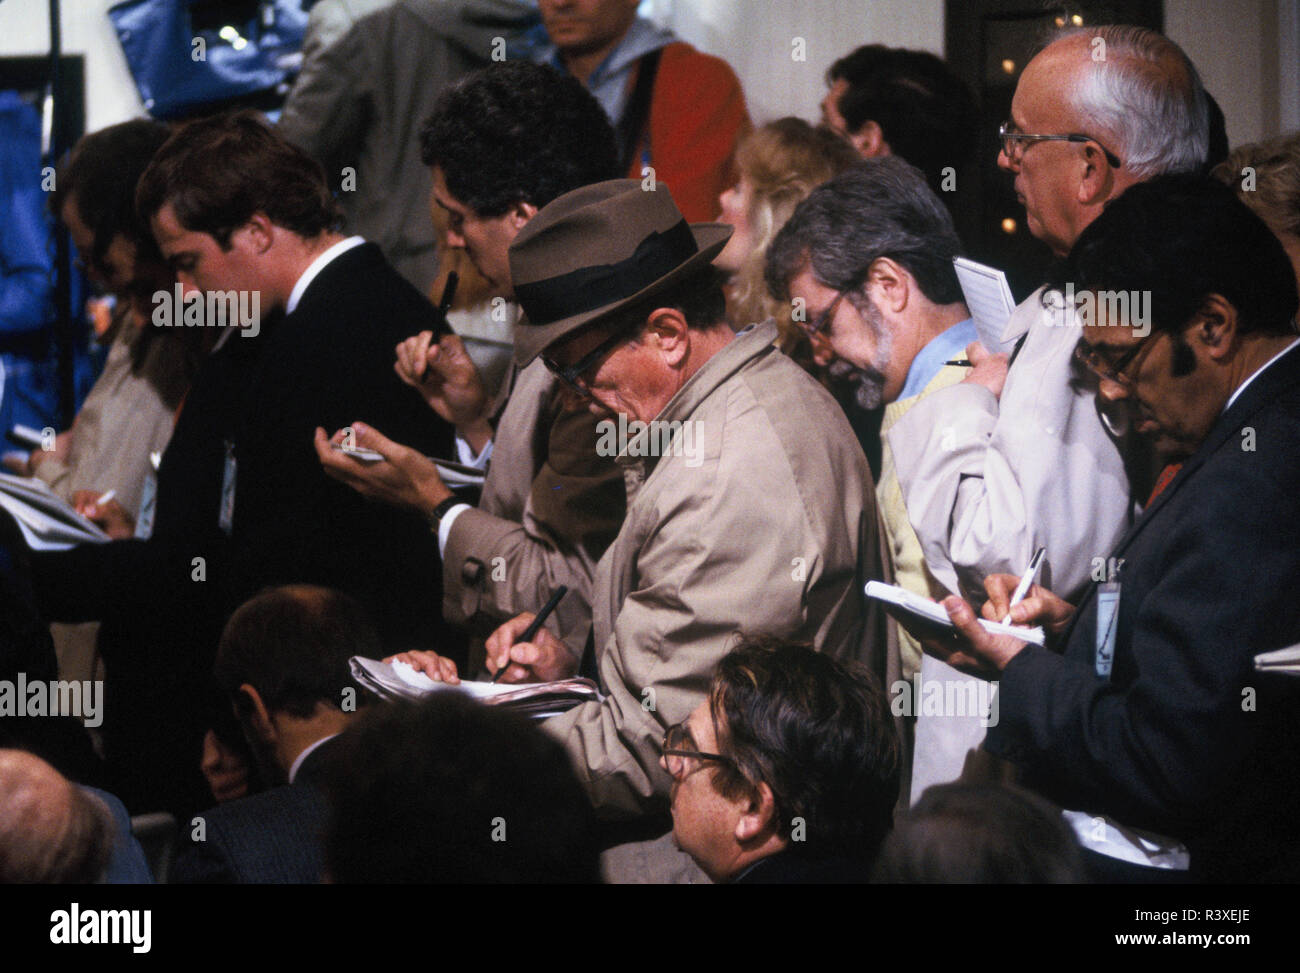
{"x": 599, "y": 249}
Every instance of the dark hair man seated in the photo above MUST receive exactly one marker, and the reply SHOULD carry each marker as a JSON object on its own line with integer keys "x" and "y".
{"x": 283, "y": 663}
{"x": 450, "y": 790}
{"x": 788, "y": 772}
{"x": 976, "y": 833}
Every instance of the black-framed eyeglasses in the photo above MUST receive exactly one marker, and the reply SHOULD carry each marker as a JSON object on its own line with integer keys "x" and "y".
{"x": 571, "y": 374}
{"x": 822, "y": 323}
{"x": 1112, "y": 371}
{"x": 1008, "y": 137}
{"x": 677, "y": 753}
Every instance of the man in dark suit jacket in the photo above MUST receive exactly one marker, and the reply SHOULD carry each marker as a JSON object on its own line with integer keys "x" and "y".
{"x": 246, "y": 221}
{"x": 1153, "y": 716}
{"x": 283, "y": 664}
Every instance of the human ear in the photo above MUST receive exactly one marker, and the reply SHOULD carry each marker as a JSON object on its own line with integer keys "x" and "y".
{"x": 759, "y": 815}
{"x": 892, "y": 282}
{"x": 253, "y": 713}
{"x": 667, "y": 326}
{"x": 1095, "y": 176}
{"x": 521, "y": 213}
{"x": 1217, "y": 325}
{"x": 260, "y": 231}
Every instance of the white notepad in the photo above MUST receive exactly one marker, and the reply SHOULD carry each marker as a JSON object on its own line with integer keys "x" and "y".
{"x": 988, "y": 298}
{"x": 922, "y": 613}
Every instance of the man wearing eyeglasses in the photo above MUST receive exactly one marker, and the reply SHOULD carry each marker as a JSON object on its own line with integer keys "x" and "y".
{"x": 787, "y": 772}
{"x": 1154, "y": 713}
{"x": 768, "y": 525}
{"x": 1019, "y": 455}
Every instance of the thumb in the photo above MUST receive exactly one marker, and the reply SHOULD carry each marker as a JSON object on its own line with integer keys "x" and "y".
{"x": 372, "y": 438}
{"x": 976, "y": 352}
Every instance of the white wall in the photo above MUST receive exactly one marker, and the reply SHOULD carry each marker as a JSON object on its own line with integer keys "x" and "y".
{"x": 1236, "y": 48}
{"x": 757, "y": 37}
{"x": 110, "y": 93}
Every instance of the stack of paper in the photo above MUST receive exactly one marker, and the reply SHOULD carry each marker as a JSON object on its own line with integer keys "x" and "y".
{"x": 988, "y": 298}
{"x": 538, "y": 700}
{"x": 47, "y": 521}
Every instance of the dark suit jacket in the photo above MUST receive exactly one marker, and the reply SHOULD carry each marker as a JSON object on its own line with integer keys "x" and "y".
{"x": 327, "y": 364}
{"x": 1184, "y": 737}
{"x": 268, "y": 838}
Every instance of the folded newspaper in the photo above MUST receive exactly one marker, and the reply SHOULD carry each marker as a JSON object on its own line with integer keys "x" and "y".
{"x": 48, "y": 522}
{"x": 538, "y": 700}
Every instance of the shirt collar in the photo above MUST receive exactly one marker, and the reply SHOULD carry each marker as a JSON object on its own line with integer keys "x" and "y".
{"x": 608, "y": 83}
{"x": 926, "y": 365}
{"x": 316, "y": 266}
{"x": 1242, "y": 387}
{"x": 297, "y": 764}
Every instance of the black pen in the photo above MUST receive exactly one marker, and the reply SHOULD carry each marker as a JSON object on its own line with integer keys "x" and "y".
{"x": 536, "y": 624}
{"x": 960, "y": 363}
{"x": 444, "y": 305}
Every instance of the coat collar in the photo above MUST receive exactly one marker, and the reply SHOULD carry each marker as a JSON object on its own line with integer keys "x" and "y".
{"x": 751, "y": 343}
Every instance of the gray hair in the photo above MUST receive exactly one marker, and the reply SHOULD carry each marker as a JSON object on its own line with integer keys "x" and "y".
{"x": 878, "y": 208}
{"x": 1145, "y": 94}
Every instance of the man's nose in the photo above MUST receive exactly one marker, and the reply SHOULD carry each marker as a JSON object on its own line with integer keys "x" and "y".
{"x": 188, "y": 286}
{"x": 1006, "y": 162}
{"x": 1111, "y": 390}
{"x": 454, "y": 239}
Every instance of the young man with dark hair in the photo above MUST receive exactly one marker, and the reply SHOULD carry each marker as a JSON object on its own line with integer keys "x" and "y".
{"x": 1152, "y": 712}
{"x": 449, "y": 790}
{"x": 788, "y": 772}
{"x": 504, "y": 142}
{"x": 245, "y": 218}
{"x": 283, "y": 665}
{"x": 892, "y": 101}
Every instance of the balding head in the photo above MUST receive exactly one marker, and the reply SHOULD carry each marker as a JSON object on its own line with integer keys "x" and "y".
{"x": 1137, "y": 105}
{"x": 51, "y": 832}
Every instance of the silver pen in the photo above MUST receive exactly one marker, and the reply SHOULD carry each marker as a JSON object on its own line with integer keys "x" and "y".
{"x": 1026, "y": 581}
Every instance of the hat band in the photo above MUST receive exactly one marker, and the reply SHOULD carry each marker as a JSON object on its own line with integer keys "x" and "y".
{"x": 588, "y": 288}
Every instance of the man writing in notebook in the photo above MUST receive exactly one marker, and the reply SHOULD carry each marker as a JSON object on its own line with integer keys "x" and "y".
{"x": 551, "y": 502}
{"x": 759, "y": 527}
{"x": 1152, "y": 716}
{"x": 1007, "y": 461}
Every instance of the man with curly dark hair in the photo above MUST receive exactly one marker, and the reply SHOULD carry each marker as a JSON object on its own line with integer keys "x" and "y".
{"x": 502, "y": 143}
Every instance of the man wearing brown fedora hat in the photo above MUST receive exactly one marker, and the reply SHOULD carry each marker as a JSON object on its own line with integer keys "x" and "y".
{"x": 751, "y": 507}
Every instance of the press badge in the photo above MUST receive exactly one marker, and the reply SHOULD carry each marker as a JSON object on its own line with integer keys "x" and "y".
{"x": 148, "y": 501}
{"x": 226, "y": 519}
{"x": 1107, "y": 620}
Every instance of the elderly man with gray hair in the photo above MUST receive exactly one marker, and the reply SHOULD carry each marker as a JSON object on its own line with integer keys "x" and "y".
{"x": 1017, "y": 455}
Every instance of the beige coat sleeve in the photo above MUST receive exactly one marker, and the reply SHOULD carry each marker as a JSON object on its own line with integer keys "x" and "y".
{"x": 717, "y": 555}
{"x": 551, "y": 506}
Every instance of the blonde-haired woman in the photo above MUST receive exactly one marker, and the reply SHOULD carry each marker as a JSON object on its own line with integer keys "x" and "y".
{"x": 779, "y": 165}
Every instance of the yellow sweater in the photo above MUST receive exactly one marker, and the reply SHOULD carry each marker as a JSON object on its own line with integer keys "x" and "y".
{"x": 910, "y": 571}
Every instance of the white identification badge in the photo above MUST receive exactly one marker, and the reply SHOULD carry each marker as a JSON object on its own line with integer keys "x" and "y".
{"x": 148, "y": 501}
{"x": 1107, "y": 620}
{"x": 227, "y": 518}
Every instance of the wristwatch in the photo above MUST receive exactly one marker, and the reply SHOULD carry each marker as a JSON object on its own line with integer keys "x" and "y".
{"x": 435, "y": 515}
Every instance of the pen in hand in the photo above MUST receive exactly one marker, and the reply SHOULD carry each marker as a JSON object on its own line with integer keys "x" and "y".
{"x": 1026, "y": 581}
{"x": 535, "y": 626}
